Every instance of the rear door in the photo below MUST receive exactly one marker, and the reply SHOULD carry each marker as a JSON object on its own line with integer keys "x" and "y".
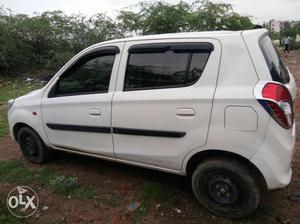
{"x": 163, "y": 99}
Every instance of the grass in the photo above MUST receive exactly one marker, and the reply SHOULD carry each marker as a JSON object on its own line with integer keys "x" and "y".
{"x": 3, "y": 122}
{"x": 15, "y": 172}
{"x": 10, "y": 90}
{"x": 68, "y": 185}
{"x": 55, "y": 222}
{"x": 5, "y": 216}
{"x": 13, "y": 88}
{"x": 156, "y": 191}
{"x": 153, "y": 191}
{"x": 112, "y": 201}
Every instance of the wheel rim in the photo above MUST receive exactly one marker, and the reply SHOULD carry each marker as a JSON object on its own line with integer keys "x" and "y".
{"x": 224, "y": 190}
{"x": 30, "y": 146}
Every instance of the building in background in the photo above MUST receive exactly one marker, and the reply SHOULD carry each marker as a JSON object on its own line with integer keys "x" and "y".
{"x": 277, "y": 25}
{"x": 294, "y": 23}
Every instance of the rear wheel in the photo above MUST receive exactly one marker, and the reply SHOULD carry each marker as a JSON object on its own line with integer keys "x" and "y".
{"x": 227, "y": 188}
{"x": 32, "y": 146}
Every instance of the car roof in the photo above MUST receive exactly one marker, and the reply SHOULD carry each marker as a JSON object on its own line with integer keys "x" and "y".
{"x": 219, "y": 35}
{"x": 188, "y": 35}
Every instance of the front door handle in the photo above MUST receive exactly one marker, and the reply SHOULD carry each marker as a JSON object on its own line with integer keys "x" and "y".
{"x": 94, "y": 112}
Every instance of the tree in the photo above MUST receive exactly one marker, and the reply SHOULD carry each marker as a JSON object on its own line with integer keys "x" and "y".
{"x": 290, "y": 31}
{"x": 49, "y": 39}
{"x": 161, "y": 17}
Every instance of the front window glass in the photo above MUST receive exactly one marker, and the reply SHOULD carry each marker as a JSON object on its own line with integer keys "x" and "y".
{"x": 90, "y": 75}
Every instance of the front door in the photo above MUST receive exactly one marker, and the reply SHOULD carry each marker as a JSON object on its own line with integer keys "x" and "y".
{"x": 76, "y": 108}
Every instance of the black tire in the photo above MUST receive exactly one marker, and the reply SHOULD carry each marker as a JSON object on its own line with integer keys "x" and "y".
{"x": 32, "y": 146}
{"x": 227, "y": 188}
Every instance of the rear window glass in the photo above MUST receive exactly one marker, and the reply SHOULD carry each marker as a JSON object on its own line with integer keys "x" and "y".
{"x": 274, "y": 61}
{"x": 163, "y": 70}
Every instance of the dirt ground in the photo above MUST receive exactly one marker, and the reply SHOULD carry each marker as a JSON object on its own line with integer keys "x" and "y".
{"x": 124, "y": 182}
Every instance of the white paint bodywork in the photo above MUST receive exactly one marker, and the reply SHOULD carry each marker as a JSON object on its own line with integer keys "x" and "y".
{"x": 219, "y": 112}
{"x": 164, "y": 109}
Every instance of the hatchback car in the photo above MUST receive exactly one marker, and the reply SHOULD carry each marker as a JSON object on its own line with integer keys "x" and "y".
{"x": 217, "y": 107}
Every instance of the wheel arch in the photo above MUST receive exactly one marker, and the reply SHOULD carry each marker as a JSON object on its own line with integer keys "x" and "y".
{"x": 206, "y": 154}
{"x": 17, "y": 127}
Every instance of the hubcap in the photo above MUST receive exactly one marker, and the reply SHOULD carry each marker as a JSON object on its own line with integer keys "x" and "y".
{"x": 31, "y": 146}
{"x": 223, "y": 189}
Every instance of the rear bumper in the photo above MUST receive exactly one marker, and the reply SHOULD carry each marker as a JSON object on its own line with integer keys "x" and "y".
{"x": 274, "y": 158}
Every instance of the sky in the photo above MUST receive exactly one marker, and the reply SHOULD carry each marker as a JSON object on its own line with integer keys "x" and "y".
{"x": 260, "y": 10}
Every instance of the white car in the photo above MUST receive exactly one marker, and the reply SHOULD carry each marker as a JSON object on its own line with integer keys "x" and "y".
{"x": 215, "y": 106}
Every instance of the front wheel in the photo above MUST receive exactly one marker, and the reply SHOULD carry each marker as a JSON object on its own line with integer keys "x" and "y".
{"x": 32, "y": 146}
{"x": 226, "y": 187}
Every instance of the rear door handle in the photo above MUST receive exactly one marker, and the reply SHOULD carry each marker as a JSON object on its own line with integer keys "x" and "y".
{"x": 94, "y": 112}
{"x": 188, "y": 112}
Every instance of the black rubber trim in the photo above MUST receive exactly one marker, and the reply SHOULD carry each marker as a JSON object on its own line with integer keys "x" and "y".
{"x": 201, "y": 47}
{"x": 80, "y": 128}
{"x": 124, "y": 131}
{"x": 192, "y": 47}
{"x": 108, "y": 50}
{"x": 154, "y": 133}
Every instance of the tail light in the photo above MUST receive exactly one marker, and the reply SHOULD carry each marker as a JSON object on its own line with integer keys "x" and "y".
{"x": 277, "y": 101}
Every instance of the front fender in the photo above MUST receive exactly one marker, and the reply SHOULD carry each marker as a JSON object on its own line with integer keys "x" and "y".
{"x": 26, "y": 115}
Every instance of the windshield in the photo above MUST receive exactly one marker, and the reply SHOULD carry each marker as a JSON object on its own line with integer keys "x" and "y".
{"x": 274, "y": 61}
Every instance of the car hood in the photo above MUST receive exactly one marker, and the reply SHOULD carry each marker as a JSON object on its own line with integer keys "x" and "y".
{"x": 31, "y": 95}
{"x": 34, "y": 92}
